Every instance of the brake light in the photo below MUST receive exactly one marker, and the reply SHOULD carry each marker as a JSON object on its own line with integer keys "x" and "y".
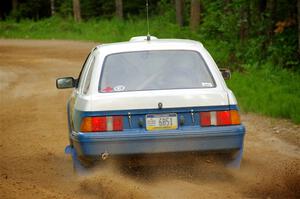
{"x": 205, "y": 119}
{"x": 102, "y": 124}
{"x": 118, "y": 123}
{"x": 223, "y": 118}
{"x": 99, "y": 124}
{"x": 219, "y": 118}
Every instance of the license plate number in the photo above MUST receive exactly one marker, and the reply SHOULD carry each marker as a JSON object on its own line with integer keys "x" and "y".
{"x": 161, "y": 121}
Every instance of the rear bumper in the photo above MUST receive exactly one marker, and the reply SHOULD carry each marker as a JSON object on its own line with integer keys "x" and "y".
{"x": 139, "y": 141}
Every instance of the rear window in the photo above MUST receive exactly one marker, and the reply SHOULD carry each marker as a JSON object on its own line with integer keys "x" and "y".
{"x": 154, "y": 70}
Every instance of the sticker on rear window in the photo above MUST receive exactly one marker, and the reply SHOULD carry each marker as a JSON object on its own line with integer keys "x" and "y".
{"x": 107, "y": 90}
{"x": 119, "y": 88}
{"x": 207, "y": 84}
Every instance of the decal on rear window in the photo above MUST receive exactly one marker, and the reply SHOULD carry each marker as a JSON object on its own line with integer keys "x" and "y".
{"x": 207, "y": 84}
{"x": 119, "y": 88}
{"x": 107, "y": 90}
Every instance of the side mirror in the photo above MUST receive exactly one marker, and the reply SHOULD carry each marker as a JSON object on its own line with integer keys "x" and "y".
{"x": 225, "y": 73}
{"x": 65, "y": 82}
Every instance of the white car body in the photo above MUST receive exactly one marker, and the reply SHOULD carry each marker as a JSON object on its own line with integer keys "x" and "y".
{"x": 117, "y": 123}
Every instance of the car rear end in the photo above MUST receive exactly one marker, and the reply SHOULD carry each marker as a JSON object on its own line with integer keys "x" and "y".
{"x": 156, "y": 99}
{"x": 139, "y": 131}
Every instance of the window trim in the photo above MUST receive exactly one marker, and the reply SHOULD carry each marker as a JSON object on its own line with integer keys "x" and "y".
{"x": 84, "y": 73}
{"x": 82, "y": 68}
{"x": 88, "y": 76}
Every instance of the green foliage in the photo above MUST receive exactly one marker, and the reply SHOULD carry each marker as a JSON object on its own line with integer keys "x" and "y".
{"x": 268, "y": 91}
{"x": 93, "y": 30}
{"x": 247, "y": 35}
{"x": 64, "y": 8}
{"x": 33, "y": 9}
{"x": 283, "y": 50}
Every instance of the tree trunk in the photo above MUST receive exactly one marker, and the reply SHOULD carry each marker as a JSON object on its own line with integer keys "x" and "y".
{"x": 226, "y": 8}
{"x": 179, "y": 12}
{"x": 15, "y": 13}
{"x": 262, "y": 6}
{"x": 195, "y": 14}
{"x": 298, "y": 14}
{"x": 271, "y": 9}
{"x": 14, "y": 5}
{"x": 52, "y": 4}
{"x": 244, "y": 21}
{"x": 1, "y": 14}
{"x": 76, "y": 10}
{"x": 119, "y": 9}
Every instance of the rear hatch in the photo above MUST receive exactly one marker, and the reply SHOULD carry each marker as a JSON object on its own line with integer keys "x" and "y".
{"x": 155, "y": 90}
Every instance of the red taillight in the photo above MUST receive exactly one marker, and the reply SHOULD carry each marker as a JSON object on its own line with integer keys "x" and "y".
{"x": 219, "y": 118}
{"x": 223, "y": 118}
{"x": 101, "y": 124}
{"x": 205, "y": 119}
{"x": 118, "y": 123}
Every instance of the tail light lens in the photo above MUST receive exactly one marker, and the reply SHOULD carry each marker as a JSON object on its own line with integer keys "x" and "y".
{"x": 223, "y": 118}
{"x": 117, "y": 123}
{"x": 220, "y": 118}
{"x": 99, "y": 124}
{"x": 235, "y": 117}
{"x": 102, "y": 124}
{"x": 205, "y": 119}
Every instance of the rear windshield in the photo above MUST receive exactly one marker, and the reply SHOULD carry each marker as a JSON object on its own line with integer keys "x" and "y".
{"x": 154, "y": 70}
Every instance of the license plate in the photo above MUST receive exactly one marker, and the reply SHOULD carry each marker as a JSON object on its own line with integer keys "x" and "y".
{"x": 161, "y": 121}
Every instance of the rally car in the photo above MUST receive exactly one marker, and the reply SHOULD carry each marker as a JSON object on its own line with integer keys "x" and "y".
{"x": 149, "y": 96}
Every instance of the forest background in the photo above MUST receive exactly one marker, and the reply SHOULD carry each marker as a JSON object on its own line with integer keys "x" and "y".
{"x": 258, "y": 40}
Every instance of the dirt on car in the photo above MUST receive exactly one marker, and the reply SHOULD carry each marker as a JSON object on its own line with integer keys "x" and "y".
{"x": 34, "y": 134}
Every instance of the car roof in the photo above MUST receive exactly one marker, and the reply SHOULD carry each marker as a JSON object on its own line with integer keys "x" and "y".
{"x": 141, "y": 43}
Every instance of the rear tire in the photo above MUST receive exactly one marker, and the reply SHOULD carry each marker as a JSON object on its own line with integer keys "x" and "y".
{"x": 81, "y": 164}
{"x": 86, "y": 162}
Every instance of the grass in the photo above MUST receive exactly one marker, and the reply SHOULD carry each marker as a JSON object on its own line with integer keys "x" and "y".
{"x": 266, "y": 91}
{"x": 93, "y": 30}
{"x": 270, "y": 92}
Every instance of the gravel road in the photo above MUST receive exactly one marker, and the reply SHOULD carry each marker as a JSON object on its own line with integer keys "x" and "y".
{"x": 34, "y": 135}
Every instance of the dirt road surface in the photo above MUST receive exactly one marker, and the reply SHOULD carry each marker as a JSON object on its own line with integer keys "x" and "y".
{"x": 34, "y": 134}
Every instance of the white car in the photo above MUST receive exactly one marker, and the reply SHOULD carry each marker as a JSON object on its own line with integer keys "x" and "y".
{"x": 151, "y": 95}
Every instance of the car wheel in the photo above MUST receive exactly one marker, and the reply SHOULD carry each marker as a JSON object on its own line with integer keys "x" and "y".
{"x": 81, "y": 164}
{"x": 87, "y": 162}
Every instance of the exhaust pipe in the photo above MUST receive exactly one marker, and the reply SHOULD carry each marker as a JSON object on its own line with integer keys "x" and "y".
{"x": 104, "y": 156}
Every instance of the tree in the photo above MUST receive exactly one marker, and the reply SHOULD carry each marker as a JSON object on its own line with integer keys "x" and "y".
{"x": 298, "y": 14}
{"x": 14, "y": 5}
{"x": 262, "y": 6}
{"x": 195, "y": 14}
{"x": 76, "y": 10}
{"x": 119, "y": 9}
{"x": 52, "y": 7}
{"x": 15, "y": 13}
{"x": 244, "y": 20}
{"x": 271, "y": 9}
{"x": 179, "y": 12}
